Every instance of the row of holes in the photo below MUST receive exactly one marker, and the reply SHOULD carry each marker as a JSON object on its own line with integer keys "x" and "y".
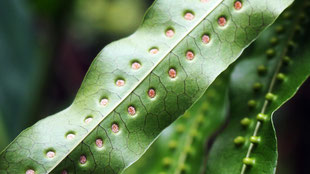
{"x": 170, "y": 32}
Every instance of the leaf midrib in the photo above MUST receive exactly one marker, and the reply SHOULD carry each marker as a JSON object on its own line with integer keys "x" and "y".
{"x": 142, "y": 79}
{"x": 272, "y": 84}
{"x": 188, "y": 142}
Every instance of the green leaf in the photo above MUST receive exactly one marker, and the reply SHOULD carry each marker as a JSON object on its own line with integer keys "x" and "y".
{"x": 257, "y": 92}
{"x": 113, "y": 106}
{"x": 181, "y": 147}
{"x": 20, "y": 67}
{"x": 4, "y": 140}
{"x": 107, "y": 16}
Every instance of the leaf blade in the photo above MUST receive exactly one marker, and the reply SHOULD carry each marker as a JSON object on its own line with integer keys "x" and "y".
{"x": 245, "y": 75}
{"x": 181, "y": 146}
{"x": 174, "y": 96}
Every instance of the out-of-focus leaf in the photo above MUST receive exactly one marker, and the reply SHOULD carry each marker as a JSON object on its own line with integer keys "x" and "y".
{"x": 260, "y": 84}
{"x": 97, "y": 17}
{"x": 4, "y": 141}
{"x": 20, "y": 66}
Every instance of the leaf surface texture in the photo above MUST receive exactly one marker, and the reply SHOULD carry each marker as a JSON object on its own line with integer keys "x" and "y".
{"x": 260, "y": 84}
{"x": 113, "y": 103}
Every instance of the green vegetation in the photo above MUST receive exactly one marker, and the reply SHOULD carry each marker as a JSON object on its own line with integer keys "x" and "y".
{"x": 182, "y": 60}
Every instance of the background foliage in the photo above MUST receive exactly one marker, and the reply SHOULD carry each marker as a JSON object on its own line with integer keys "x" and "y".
{"x": 54, "y": 46}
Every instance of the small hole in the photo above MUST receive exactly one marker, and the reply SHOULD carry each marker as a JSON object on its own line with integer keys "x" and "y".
{"x": 190, "y": 55}
{"x": 88, "y": 119}
{"x": 170, "y": 33}
{"x": 30, "y": 171}
{"x": 50, "y": 154}
{"x": 136, "y": 65}
{"x": 64, "y": 172}
{"x": 99, "y": 143}
{"x": 70, "y": 136}
{"x": 172, "y": 73}
{"x": 83, "y": 159}
{"x": 120, "y": 83}
{"x": 205, "y": 39}
{"x": 154, "y": 50}
{"x": 115, "y": 128}
{"x": 238, "y": 5}
{"x": 189, "y": 16}
{"x": 104, "y": 102}
{"x": 222, "y": 21}
{"x": 152, "y": 93}
{"x": 131, "y": 110}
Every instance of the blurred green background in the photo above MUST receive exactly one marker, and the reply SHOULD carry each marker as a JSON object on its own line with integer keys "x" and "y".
{"x": 46, "y": 47}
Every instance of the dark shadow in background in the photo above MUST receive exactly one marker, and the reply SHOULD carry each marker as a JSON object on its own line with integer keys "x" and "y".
{"x": 292, "y": 125}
